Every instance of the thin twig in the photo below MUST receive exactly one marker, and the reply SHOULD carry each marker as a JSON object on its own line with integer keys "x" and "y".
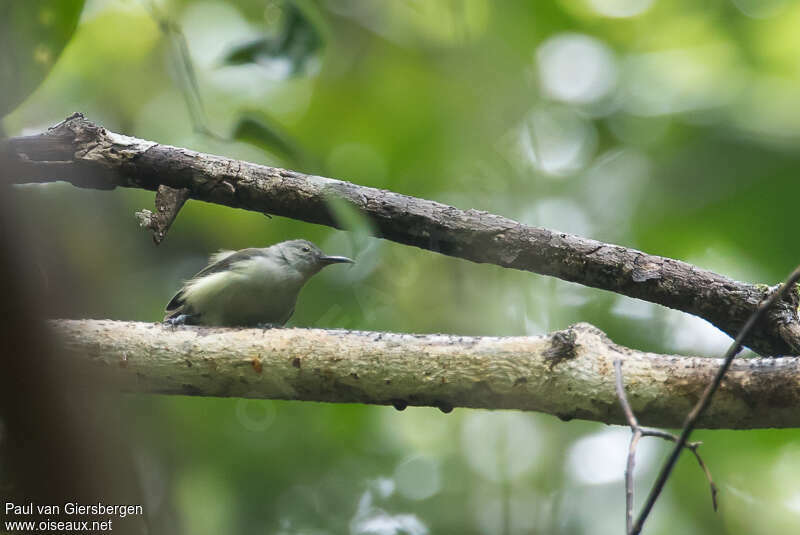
{"x": 649, "y": 432}
{"x": 623, "y": 399}
{"x": 693, "y": 446}
{"x": 638, "y": 433}
{"x": 705, "y": 400}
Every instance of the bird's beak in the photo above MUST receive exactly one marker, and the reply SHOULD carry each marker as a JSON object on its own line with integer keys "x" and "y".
{"x": 336, "y": 260}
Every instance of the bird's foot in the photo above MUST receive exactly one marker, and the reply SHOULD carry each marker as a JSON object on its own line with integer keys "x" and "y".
{"x": 180, "y": 319}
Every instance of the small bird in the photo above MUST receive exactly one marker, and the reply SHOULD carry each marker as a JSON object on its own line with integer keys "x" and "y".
{"x": 248, "y": 288}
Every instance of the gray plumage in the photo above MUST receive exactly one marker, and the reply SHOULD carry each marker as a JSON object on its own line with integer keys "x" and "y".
{"x": 249, "y": 287}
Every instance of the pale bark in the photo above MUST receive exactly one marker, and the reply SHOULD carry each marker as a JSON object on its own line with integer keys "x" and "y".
{"x": 567, "y": 373}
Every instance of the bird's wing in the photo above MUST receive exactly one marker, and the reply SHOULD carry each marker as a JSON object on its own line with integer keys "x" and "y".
{"x": 222, "y": 254}
{"x": 175, "y": 303}
{"x": 223, "y": 260}
{"x": 220, "y": 261}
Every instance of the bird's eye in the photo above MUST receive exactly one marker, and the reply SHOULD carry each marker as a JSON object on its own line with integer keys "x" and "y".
{"x": 306, "y": 249}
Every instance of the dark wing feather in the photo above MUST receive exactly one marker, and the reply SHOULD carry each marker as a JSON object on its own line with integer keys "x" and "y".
{"x": 176, "y": 301}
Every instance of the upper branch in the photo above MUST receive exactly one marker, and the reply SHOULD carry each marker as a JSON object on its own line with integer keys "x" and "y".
{"x": 88, "y": 155}
{"x": 567, "y": 373}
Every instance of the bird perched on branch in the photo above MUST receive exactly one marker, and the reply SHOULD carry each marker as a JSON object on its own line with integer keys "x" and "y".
{"x": 251, "y": 287}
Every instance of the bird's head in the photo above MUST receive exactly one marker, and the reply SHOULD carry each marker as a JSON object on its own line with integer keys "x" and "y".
{"x": 306, "y": 257}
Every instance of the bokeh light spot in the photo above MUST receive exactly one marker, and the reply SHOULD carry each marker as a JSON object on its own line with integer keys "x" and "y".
{"x": 620, "y": 8}
{"x": 418, "y": 478}
{"x": 760, "y": 9}
{"x": 576, "y": 68}
{"x": 558, "y": 141}
{"x": 600, "y": 458}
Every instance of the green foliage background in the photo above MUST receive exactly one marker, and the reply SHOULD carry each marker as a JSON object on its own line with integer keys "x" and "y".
{"x": 673, "y": 130}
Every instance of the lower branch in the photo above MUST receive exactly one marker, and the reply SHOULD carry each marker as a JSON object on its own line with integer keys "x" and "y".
{"x": 567, "y": 373}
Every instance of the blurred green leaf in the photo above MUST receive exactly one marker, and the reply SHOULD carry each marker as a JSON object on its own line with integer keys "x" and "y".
{"x": 263, "y": 133}
{"x": 298, "y": 40}
{"x": 32, "y": 35}
{"x": 351, "y": 219}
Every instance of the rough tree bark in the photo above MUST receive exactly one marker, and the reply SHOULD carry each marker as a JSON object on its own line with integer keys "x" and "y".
{"x": 88, "y": 155}
{"x": 567, "y": 373}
